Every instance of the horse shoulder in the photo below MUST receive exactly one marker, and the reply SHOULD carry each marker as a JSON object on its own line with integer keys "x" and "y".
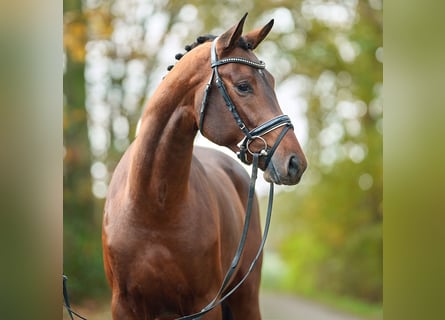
{"x": 227, "y": 183}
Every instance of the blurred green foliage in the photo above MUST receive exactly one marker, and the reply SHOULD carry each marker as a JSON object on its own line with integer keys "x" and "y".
{"x": 331, "y": 236}
{"x": 82, "y": 258}
{"x": 327, "y": 231}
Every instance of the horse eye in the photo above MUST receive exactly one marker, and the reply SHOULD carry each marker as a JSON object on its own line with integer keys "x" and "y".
{"x": 244, "y": 87}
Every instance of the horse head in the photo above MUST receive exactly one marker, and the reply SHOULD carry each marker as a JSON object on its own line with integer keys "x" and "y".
{"x": 238, "y": 103}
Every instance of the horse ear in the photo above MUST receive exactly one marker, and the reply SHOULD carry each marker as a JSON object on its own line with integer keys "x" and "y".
{"x": 255, "y": 37}
{"x": 229, "y": 39}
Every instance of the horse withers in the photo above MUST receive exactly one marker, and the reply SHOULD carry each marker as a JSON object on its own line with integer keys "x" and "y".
{"x": 174, "y": 213}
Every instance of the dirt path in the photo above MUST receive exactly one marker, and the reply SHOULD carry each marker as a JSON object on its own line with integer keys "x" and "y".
{"x": 284, "y": 307}
{"x": 274, "y": 306}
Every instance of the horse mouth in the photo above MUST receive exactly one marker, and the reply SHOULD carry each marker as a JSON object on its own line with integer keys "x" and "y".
{"x": 271, "y": 175}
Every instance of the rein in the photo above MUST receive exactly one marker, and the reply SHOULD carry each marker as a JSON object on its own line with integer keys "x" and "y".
{"x": 250, "y": 135}
{"x": 67, "y": 301}
{"x": 217, "y": 301}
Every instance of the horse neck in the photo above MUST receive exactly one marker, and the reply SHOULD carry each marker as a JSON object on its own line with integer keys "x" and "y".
{"x": 162, "y": 151}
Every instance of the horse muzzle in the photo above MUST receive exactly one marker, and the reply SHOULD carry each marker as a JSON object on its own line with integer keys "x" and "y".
{"x": 285, "y": 170}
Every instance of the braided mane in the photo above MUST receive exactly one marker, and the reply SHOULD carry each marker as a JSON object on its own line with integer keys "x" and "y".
{"x": 190, "y": 47}
{"x": 202, "y": 39}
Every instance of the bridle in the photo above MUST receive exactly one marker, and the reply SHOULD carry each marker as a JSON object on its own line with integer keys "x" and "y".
{"x": 266, "y": 151}
{"x": 250, "y": 135}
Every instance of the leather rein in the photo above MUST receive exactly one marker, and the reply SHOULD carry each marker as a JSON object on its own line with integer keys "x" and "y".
{"x": 250, "y": 135}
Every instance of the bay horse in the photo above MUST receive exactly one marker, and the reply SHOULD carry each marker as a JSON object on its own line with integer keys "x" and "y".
{"x": 174, "y": 213}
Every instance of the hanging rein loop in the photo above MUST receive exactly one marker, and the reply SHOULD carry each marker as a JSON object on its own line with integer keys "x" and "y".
{"x": 66, "y": 301}
{"x": 250, "y": 135}
{"x": 266, "y": 151}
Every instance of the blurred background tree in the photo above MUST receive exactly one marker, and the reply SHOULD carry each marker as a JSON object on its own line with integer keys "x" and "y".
{"x": 326, "y": 57}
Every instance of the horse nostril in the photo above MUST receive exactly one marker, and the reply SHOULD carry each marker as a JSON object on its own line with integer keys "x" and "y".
{"x": 293, "y": 168}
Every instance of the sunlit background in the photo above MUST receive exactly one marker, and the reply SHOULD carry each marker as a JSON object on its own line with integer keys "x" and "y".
{"x": 325, "y": 242}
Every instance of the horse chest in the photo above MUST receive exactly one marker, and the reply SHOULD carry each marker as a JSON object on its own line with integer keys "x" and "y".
{"x": 161, "y": 259}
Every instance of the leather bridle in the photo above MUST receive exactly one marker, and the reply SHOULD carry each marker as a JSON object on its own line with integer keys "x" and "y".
{"x": 250, "y": 135}
{"x": 266, "y": 151}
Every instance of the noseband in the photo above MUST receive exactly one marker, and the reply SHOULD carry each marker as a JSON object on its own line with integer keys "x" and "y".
{"x": 250, "y": 135}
